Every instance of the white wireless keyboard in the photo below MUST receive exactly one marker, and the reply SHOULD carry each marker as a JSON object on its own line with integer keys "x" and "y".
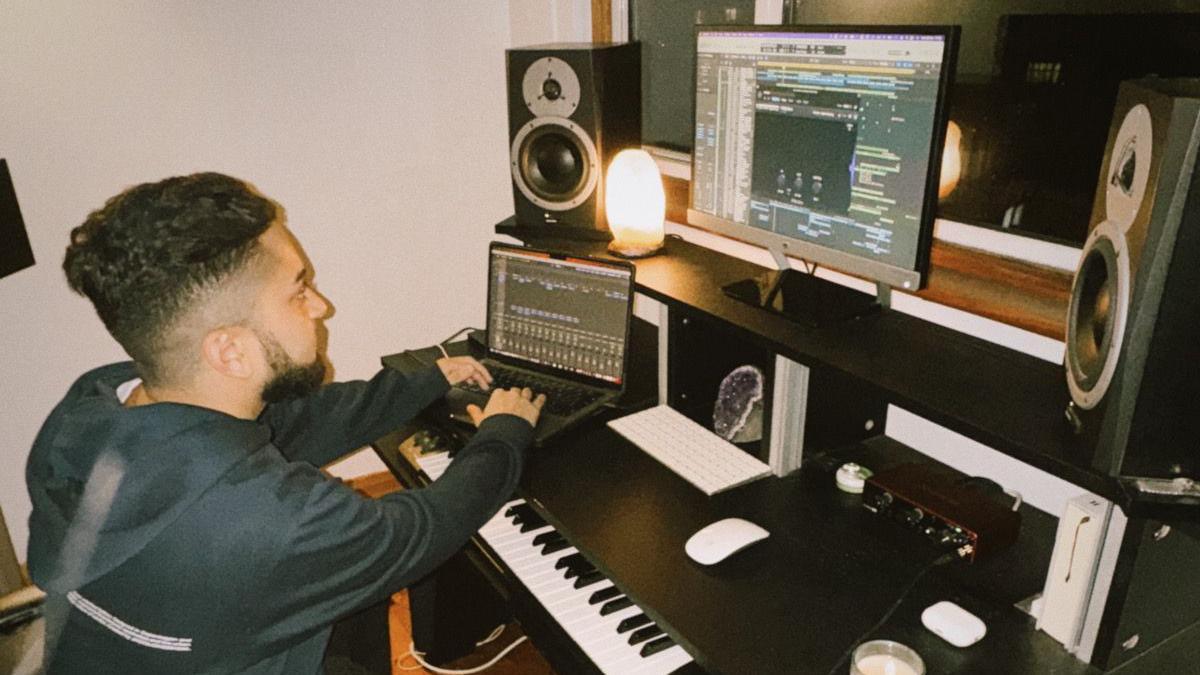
{"x": 698, "y": 455}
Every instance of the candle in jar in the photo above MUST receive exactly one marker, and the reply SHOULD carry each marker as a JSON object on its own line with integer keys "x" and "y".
{"x": 883, "y": 664}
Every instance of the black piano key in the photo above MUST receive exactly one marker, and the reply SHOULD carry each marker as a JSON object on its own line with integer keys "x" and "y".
{"x": 579, "y": 570}
{"x": 656, "y": 646}
{"x": 615, "y": 605}
{"x": 630, "y": 622}
{"x": 555, "y": 546}
{"x": 604, "y": 594}
{"x": 519, "y": 510}
{"x": 546, "y": 537}
{"x": 643, "y": 634}
{"x": 569, "y": 561}
{"x": 524, "y": 516}
{"x": 593, "y": 577}
{"x": 528, "y": 524}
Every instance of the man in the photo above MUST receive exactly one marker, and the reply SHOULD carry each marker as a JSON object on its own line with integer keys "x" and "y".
{"x": 179, "y": 521}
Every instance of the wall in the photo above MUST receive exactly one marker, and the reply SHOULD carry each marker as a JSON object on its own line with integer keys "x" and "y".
{"x": 380, "y": 126}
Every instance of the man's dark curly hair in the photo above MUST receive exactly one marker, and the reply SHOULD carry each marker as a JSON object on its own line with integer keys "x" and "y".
{"x": 154, "y": 251}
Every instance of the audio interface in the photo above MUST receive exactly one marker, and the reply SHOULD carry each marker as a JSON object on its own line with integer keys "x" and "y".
{"x": 953, "y": 511}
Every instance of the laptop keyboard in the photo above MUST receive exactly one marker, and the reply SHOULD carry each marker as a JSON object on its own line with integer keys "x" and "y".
{"x": 562, "y": 398}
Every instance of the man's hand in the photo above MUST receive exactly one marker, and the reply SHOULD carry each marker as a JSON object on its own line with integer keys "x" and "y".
{"x": 462, "y": 368}
{"x": 519, "y": 402}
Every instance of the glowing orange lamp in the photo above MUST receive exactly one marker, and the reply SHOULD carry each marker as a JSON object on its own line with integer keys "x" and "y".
{"x": 951, "y": 161}
{"x": 635, "y": 204}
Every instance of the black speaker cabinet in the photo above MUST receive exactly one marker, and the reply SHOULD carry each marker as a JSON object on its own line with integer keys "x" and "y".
{"x": 1132, "y": 365}
{"x": 15, "y": 253}
{"x": 571, "y": 107}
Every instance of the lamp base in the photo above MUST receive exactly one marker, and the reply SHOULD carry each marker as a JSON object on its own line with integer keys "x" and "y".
{"x": 633, "y": 251}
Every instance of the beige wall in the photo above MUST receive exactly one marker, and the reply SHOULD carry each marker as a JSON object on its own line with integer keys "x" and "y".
{"x": 380, "y": 125}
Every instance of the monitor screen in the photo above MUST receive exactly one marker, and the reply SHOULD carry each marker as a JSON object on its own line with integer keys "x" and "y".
{"x": 823, "y": 142}
{"x": 569, "y": 313}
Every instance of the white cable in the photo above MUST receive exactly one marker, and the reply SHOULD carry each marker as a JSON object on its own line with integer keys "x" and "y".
{"x": 478, "y": 669}
{"x": 1017, "y": 501}
{"x": 496, "y": 632}
{"x": 416, "y": 655}
{"x": 443, "y": 342}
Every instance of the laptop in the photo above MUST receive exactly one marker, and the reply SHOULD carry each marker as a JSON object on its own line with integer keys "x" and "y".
{"x": 558, "y": 324}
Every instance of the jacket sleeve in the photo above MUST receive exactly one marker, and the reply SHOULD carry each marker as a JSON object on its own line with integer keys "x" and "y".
{"x": 342, "y": 417}
{"x": 345, "y": 552}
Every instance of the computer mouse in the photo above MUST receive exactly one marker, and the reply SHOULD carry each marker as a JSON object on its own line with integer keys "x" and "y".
{"x": 722, "y": 538}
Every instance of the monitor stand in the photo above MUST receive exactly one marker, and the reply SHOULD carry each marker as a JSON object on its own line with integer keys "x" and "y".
{"x": 806, "y": 298}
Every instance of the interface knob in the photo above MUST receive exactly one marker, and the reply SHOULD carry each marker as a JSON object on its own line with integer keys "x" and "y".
{"x": 881, "y": 500}
{"x": 912, "y": 517}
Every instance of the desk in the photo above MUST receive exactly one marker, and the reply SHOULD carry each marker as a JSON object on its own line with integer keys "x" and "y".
{"x": 791, "y": 604}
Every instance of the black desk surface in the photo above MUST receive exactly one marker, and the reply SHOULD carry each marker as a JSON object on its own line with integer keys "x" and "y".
{"x": 797, "y": 601}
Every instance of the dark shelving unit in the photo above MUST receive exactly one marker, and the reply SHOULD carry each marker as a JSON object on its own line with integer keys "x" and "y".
{"x": 1002, "y": 398}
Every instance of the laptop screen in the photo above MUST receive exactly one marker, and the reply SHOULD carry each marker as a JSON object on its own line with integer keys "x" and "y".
{"x": 568, "y": 313}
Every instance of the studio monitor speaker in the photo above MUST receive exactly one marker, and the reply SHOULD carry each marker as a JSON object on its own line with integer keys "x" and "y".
{"x": 1133, "y": 323}
{"x": 571, "y": 107}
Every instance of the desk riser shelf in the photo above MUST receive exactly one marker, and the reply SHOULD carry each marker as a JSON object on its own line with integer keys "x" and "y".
{"x": 1002, "y": 398}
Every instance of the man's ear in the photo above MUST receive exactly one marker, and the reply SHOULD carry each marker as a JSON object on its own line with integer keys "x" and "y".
{"x": 230, "y": 351}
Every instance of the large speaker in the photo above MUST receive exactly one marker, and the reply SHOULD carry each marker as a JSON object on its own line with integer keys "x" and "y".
{"x": 1132, "y": 363}
{"x": 571, "y": 107}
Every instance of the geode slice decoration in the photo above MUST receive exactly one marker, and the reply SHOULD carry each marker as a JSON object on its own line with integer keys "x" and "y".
{"x": 737, "y": 416}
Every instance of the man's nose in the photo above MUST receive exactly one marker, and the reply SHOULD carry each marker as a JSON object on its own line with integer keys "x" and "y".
{"x": 318, "y": 306}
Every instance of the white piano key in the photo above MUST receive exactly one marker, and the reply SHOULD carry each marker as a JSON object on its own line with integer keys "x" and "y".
{"x": 665, "y": 661}
{"x": 434, "y": 465}
{"x": 550, "y": 586}
{"x": 594, "y": 627}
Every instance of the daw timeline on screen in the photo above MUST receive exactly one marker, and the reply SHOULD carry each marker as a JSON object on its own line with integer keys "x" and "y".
{"x": 543, "y": 340}
{"x": 816, "y": 141}
{"x": 536, "y": 314}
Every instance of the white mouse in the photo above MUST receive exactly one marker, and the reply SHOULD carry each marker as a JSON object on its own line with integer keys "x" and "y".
{"x": 722, "y": 538}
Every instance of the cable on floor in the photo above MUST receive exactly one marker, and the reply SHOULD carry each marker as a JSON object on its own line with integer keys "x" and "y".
{"x": 421, "y": 663}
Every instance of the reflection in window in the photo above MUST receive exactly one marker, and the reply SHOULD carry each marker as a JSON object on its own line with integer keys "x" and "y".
{"x": 1032, "y": 103}
{"x": 666, "y": 31}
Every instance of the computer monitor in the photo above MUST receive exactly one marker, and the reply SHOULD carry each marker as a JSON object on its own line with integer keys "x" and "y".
{"x": 822, "y": 143}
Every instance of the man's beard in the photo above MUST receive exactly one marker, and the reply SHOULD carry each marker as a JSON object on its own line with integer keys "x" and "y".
{"x": 289, "y": 379}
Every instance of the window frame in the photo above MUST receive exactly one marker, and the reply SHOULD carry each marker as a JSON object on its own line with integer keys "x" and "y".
{"x": 1015, "y": 279}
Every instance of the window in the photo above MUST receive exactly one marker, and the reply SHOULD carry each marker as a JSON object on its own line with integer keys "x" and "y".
{"x": 1032, "y": 101}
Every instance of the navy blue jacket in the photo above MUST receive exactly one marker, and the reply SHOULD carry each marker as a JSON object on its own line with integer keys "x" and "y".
{"x": 177, "y": 539}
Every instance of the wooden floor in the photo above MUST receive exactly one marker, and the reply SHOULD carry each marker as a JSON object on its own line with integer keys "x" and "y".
{"x": 523, "y": 660}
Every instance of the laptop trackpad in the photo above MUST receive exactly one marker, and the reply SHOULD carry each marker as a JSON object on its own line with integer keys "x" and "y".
{"x": 456, "y": 401}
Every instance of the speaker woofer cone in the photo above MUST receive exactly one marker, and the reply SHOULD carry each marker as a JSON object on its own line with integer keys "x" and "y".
{"x": 1096, "y": 315}
{"x": 554, "y": 163}
{"x": 1092, "y": 336}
